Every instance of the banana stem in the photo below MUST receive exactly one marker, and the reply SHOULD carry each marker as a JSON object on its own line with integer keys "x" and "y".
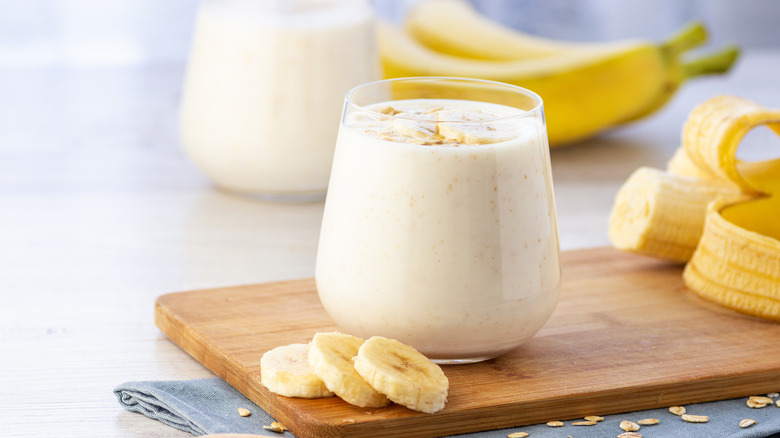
{"x": 690, "y": 36}
{"x": 714, "y": 63}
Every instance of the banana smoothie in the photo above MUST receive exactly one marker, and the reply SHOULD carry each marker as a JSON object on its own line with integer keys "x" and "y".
{"x": 440, "y": 227}
{"x": 264, "y": 88}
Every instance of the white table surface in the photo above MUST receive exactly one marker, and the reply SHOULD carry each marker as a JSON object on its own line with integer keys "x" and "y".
{"x": 101, "y": 212}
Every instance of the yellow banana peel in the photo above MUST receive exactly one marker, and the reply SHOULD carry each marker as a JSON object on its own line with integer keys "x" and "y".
{"x": 712, "y": 133}
{"x": 735, "y": 260}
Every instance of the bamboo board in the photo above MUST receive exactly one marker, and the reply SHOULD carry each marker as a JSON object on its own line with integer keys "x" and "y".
{"x": 626, "y": 336}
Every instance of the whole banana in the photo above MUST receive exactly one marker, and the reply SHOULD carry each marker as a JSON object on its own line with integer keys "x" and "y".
{"x": 587, "y": 87}
{"x": 584, "y": 91}
{"x": 455, "y": 28}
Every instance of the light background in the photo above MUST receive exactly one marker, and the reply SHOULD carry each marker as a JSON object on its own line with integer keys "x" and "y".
{"x": 135, "y": 32}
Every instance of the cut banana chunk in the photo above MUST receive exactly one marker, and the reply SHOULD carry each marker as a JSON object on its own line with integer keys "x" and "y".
{"x": 330, "y": 357}
{"x": 285, "y": 371}
{"x": 403, "y": 374}
{"x": 660, "y": 214}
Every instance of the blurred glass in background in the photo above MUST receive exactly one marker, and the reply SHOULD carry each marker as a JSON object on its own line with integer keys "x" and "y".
{"x": 137, "y": 32}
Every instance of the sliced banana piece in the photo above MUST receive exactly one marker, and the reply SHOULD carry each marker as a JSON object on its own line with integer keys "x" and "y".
{"x": 424, "y": 130}
{"x": 661, "y": 214}
{"x": 330, "y": 357}
{"x": 285, "y": 371}
{"x": 470, "y": 128}
{"x": 403, "y": 374}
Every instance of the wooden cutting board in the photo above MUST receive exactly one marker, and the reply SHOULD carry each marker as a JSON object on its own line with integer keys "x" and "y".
{"x": 626, "y": 336}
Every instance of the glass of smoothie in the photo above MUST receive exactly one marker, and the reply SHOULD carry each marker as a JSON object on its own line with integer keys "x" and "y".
{"x": 264, "y": 90}
{"x": 440, "y": 227}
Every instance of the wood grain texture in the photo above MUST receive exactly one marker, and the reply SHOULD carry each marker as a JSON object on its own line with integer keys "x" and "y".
{"x": 625, "y": 336}
{"x": 102, "y": 212}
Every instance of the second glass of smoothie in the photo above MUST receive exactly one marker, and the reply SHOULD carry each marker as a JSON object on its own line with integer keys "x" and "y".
{"x": 440, "y": 227}
{"x": 264, "y": 87}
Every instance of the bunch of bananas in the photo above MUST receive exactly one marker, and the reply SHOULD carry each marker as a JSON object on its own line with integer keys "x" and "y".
{"x": 711, "y": 210}
{"x": 586, "y": 88}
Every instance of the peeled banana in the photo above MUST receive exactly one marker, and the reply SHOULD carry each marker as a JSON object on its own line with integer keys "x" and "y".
{"x": 285, "y": 371}
{"x": 586, "y": 88}
{"x": 712, "y": 133}
{"x": 736, "y": 257}
{"x": 661, "y": 214}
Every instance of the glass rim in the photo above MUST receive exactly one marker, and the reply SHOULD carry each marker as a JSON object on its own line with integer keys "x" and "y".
{"x": 538, "y": 107}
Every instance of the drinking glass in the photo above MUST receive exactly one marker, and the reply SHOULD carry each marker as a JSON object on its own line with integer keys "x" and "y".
{"x": 263, "y": 91}
{"x": 439, "y": 227}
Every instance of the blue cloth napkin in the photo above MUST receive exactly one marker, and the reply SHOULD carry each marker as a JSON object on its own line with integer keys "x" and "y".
{"x": 207, "y": 406}
{"x": 200, "y": 407}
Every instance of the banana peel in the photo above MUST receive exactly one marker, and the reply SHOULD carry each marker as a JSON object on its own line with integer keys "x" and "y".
{"x": 737, "y": 261}
{"x": 736, "y": 267}
{"x": 736, "y": 258}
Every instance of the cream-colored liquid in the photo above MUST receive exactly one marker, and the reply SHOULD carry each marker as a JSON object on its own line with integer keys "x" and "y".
{"x": 451, "y": 248}
{"x": 264, "y": 90}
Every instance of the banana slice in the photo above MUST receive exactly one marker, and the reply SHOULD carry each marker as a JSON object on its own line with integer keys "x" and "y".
{"x": 285, "y": 371}
{"x": 403, "y": 374}
{"x": 423, "y": 130}
{"x": 470, "y": 128}
{"x": 330, "y": 357}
